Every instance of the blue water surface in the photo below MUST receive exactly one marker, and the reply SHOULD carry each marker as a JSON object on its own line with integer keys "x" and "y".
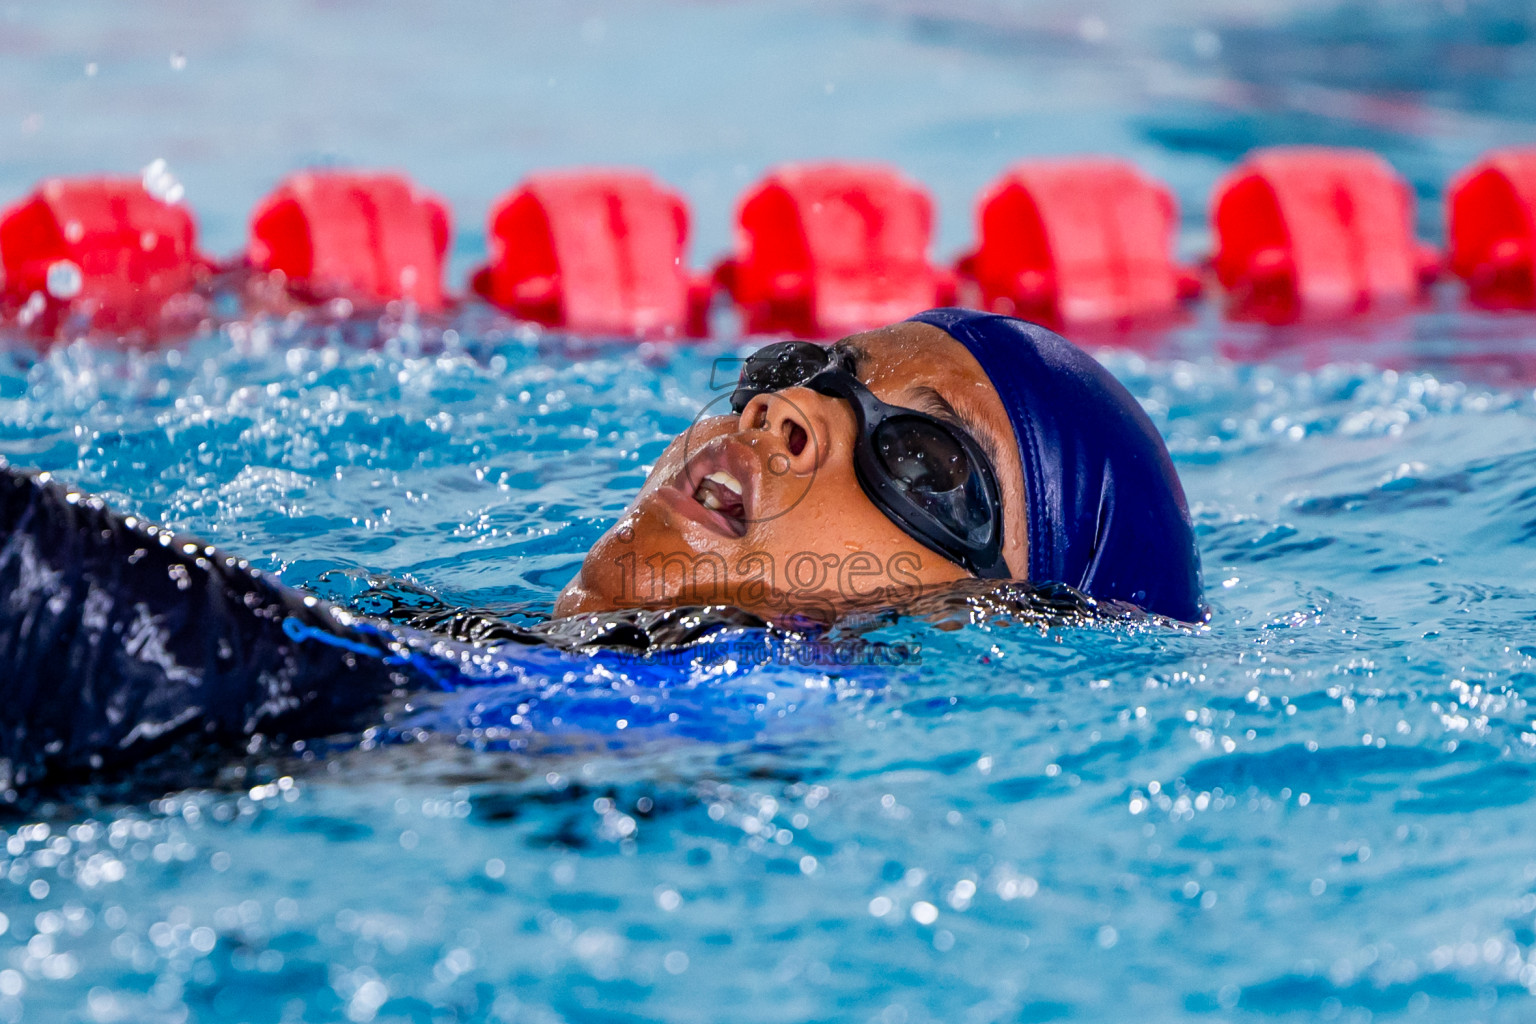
{"x": 1319, "y": 807}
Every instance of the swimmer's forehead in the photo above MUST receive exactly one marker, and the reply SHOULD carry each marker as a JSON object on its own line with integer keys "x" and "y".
{"x": 920, "y": 366}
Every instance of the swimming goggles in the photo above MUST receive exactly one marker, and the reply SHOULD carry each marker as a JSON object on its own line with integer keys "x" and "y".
{"x": 928, "y": 476}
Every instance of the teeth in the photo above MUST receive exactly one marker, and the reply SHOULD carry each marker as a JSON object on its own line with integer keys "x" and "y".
{"x": 711, "y": 502}
{"x": 725, "y": 480}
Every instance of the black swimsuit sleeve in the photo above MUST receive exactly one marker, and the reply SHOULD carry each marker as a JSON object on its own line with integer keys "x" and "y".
{"x": 120, "y": 641}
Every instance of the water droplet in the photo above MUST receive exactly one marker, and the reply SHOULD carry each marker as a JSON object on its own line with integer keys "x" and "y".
{"x": 64, "y": 280}
{"x": 161, "y": 183}
{"x": 32, "y": 309}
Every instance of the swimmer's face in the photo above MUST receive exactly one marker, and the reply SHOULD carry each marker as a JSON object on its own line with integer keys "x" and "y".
{"x": 801, "y": 536}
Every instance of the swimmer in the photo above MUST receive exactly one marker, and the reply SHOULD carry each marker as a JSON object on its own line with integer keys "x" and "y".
{"x": 955, "y": 444}
{"x": 895, "y": 464}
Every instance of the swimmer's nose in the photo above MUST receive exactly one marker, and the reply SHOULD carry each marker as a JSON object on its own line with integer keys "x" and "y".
{"x": 796, "y": 419}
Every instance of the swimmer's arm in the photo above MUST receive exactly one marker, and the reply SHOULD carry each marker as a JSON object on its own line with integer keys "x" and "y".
{"x": 119, "y": 641}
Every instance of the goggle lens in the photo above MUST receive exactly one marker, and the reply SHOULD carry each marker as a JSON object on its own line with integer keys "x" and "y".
{"x": 935, "y": 473}
{"x": 921, "y": 456}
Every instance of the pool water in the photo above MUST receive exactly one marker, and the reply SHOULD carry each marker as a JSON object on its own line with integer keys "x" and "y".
{"x": 1319, "y": 807}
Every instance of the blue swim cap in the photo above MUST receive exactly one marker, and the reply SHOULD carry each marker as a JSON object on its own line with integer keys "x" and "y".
{"x": 1106, "y": 512}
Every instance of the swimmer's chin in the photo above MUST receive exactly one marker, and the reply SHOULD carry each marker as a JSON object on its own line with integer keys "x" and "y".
{"x": 576, "y": 599}
{"x": 575, "y": 602}
{"x": 579, "y": 599}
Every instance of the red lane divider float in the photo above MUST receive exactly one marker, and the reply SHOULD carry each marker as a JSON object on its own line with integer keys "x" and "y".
{"x": 829, "y": 249}
{"x": 103, "y": 254}
{"x": 821, "y": 249}
{"x": 1076, "y": 241}
{"x": 1492, "y": 229}
{"x": 1317, "y": 232}
{"x": 367, "y": 238}
{"x": 595, "y": 252}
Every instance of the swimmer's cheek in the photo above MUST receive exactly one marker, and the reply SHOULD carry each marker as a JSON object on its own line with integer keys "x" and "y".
{"x": 620, "y": 569}
{"x": 905, "y": 584}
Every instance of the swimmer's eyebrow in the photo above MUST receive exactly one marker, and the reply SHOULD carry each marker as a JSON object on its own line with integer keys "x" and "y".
{"x": 927, "y": 399}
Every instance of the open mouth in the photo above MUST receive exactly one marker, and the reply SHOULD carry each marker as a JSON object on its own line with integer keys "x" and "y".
{"x": 720, "y": 492}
